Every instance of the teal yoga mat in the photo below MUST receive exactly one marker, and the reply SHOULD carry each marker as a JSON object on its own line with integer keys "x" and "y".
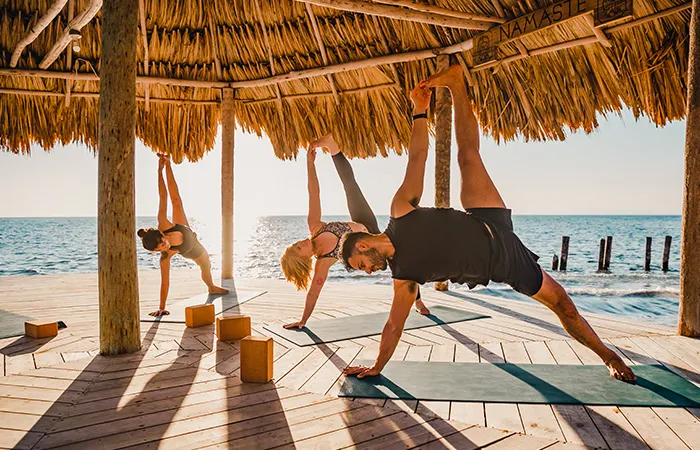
{"x": 522, "y": 383}
{"x": 221, "y": 303}
{"x": 342, "y": 328}
{"x": 12, "y": 324}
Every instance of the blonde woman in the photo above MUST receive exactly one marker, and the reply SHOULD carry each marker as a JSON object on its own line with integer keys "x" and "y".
{"x": 321, "y": 248}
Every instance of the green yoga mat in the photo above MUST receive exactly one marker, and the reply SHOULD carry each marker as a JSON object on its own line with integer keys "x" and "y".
{"x": 221, "y": 303}
{"x": 522, "y": 383}
{"x": 12, "y": 324}
{"x": 340, "y": 329}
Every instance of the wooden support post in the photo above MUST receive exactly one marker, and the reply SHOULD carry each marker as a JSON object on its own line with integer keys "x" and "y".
{"x": 608, "y": 252}
{"x": 116, "y": 205}
{"x": 666, "y": 254}
{"x": 601, "y": 255}
{"x": 228, "y": 131}
{"x": 647, "y": 255}
{"x": 69, "y": 54}
{"x": 555, "y": 262}
{"x": 689, "y": 307}
{"x": 443, "y": 142}
{"x": 564, "y": 252}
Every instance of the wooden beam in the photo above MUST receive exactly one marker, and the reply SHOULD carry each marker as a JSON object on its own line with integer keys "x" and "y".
{"x": 228, "y": 132}
{"x": 649, "y": 18}
{"x": 410, "y": 4}
{"x": 65, "y": 38}
{"x": 116, "y": 220}
{"x": 69, "y": 53}
{"x": 96, "y": 95}
{"x": 363, "y": 7}
{"x": 40, "y": 25}
{"x": 144, "y": 41}
{"x": 378, "y": 87}
{"x": 443, "y": 144}
{"x": 600, "y": 34}
{"x": 689, "y": 302}
{"x": 322, "y": 48}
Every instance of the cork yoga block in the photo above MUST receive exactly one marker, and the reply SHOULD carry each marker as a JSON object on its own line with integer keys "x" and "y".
{"x": 232, "y": 328}
{"x": 256, "y": 359}
{"x": 199, "y": 315}
{"x": 40, "y": 330}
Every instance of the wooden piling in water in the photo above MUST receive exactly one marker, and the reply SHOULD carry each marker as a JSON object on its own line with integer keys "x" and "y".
{"x": 667, "y": 253}
{"x": 564, "y": 253}
{"x": 608, "y": 252}
{"x": 647, "y": 256}
{"x": 555, "y": 262}
{"x": 601, "y": 255}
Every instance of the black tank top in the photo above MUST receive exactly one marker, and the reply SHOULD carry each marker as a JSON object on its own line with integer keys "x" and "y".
{"x": 440, "y": 244}
{"x": 189, "y": 240}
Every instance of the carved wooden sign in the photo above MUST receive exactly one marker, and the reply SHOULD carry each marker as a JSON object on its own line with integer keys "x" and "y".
{"x": 486, "y": 44}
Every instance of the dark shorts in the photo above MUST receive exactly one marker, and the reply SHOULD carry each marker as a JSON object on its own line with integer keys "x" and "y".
{"x": 195, "y": 252}
{"x": 511, "y": 262}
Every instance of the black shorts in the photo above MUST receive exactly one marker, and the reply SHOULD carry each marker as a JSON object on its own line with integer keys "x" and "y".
{"x": 511, "y": 262}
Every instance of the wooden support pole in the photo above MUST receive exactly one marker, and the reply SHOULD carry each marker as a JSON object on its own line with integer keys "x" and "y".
{"x": 392, "y": 12}
{"x": 647, "y": 255}
{"x": 666, "y": 254}
{"x": 443, "y": 142}
{"x": 601, "y": 255}
{"x": 564, "y": 252}
{"x": 69, "y": 53}
{"x": 608, "y": 252}
{"x": 116, "y": 225}
{"x": 555, "y": 262}
{"x": 411, "y": 4}
{"x": 689, "y": 306}
{"x": 42, "y": 23}
{"x": 228, "y": 131}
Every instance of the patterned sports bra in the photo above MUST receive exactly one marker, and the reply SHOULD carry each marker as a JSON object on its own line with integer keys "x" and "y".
{"x": 338, "y": 229}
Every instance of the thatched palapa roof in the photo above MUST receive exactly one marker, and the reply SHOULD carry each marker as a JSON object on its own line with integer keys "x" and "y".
{"x": 300, "y": 69}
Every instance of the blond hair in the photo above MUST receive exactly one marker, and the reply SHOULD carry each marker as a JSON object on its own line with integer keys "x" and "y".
{"x": 296, "y": 268}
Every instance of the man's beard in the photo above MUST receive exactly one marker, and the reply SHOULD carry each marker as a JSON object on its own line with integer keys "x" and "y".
{"x": 376, "y": 258}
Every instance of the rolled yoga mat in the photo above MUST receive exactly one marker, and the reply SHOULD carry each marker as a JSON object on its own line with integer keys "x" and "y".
{"x": 522, "y": 383}
{"x": 343, "y": 328}
{"x": 221, "y": 302}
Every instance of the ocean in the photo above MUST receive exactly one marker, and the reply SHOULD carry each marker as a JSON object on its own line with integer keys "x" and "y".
{"x": 41, "y": 246}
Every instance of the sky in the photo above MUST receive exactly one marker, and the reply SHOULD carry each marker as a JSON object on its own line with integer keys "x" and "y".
{"x": 624, "y": 167}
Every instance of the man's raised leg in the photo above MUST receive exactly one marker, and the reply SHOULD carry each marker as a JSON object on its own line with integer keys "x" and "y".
{"x": 478, "y": 190}
{"x": 553, "y": 296}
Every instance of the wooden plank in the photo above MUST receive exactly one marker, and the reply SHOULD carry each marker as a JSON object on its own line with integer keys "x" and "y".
{"x": 290, "y": 360}
{"x": 685, "y": 425}
{"x": 471, "y": 438}
{"x": 25, "y": 422}
{"x": 615, "y": 428}
{"x": 296, "y": 377}
{"x": 324, "y": 379}
{"x": 652, "y": 429}
{"x": 412, "y": 437}
{"x": 522, "y": 442}
{"x": 18, "y": 440}
{"x": 504, "y": 416}
{"x": 19, "y": 364}
{"x": 31, "y": 406}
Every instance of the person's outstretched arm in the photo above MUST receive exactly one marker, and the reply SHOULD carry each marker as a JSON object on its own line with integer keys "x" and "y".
{"x": 404, "y": 294}
{"x": 163, "y": 222}
{"x": 410, "y": 192}
{"x": 178, "y": 210}
{"x": 314, "y": 217}
{"x": 320, "y": 275}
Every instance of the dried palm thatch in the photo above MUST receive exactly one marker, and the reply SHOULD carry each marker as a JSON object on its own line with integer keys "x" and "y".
{"x": 531, "y": 93}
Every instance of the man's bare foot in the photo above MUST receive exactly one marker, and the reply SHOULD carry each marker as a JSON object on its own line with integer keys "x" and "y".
{"x": 328, "y": 142}
{"x": 618, "y": 369}
{"x": 421, "y": 308}
{"x": 160, "y": 312}
{"x": 447, "y": 78}
{"x": 217, "y": 290}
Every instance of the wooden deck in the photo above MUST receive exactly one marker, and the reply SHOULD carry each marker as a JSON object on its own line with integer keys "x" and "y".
{"x": 182, "y": 389}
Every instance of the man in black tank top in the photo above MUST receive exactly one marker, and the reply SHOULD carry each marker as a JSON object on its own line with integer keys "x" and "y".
{"x": 474, "y": 246}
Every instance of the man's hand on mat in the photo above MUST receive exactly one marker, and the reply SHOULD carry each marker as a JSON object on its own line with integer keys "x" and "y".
{"x": 299, "y": 325}
{"x": 618, "y": 369}
{"x": 361, "y": 371}
{"x": 160, "y": 312}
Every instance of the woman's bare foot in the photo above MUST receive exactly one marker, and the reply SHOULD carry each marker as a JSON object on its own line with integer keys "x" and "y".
{"x": 447, "y": 78}
{"x": 421, "y": 308}
{"x": 160, "y": 312}
{"x": 618, "y": 369}
{"x": 328, "y": 142}
{"x": 217, "y": 290}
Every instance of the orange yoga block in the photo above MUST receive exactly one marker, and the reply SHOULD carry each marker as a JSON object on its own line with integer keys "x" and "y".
{"x": 199, "y": 315}
{"x": 256, "y": 359}
{"x": 40, "y": 330}
{"x": 232, "y": 328}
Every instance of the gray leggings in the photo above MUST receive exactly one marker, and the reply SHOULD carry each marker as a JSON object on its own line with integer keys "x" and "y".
{"x": 360, "y": 210}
